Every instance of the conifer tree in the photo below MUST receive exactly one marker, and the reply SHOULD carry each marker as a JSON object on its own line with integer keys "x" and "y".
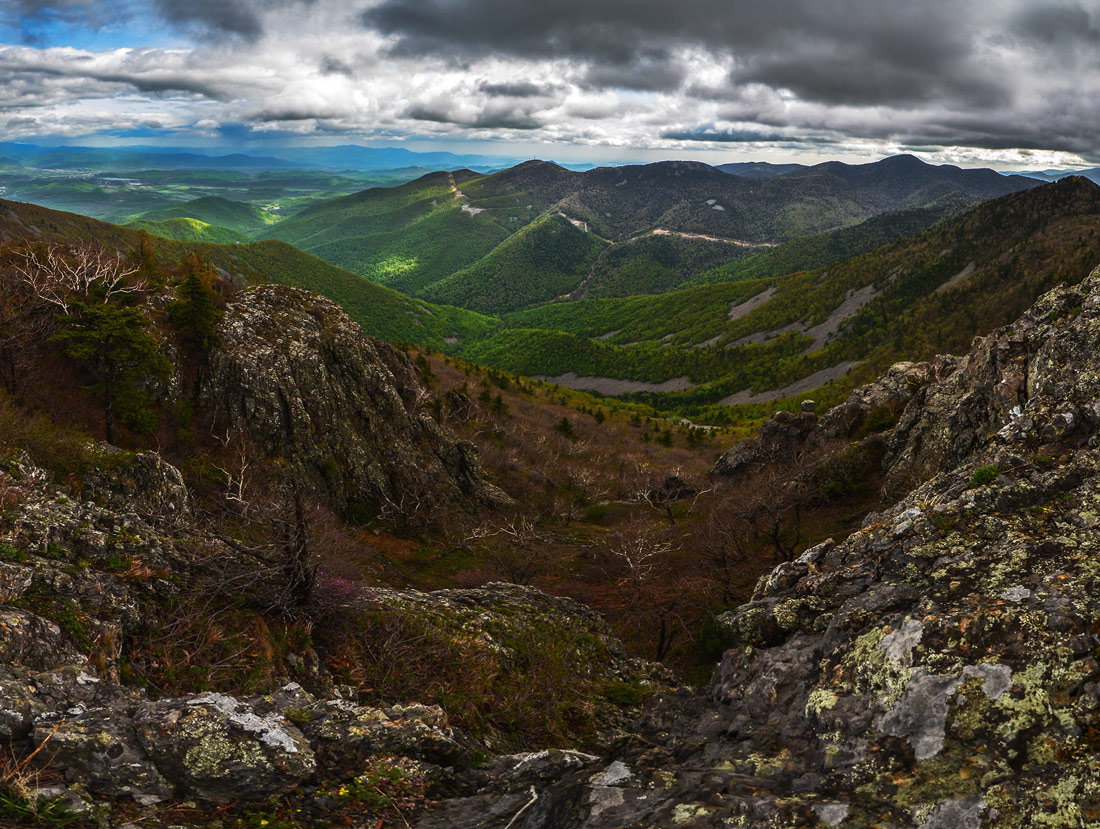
{"x": 195, "y": 313}
{"x": 115, "y": 343}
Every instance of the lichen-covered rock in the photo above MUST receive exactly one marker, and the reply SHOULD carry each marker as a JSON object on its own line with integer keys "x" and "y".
{"x": 1038, "y": 379}
{"x": 144, "y": 484}
{"x": 100, "y": 748}
{"x": 79, "y": 575}
{"x": 218, "y": 747}
{"x": 19, "y": 705}
{"x": 940, "y": 667}
{"x": 33, "y": 642}
{"x": 15, "y": 580}
{"x": 296, "y": 375}
{"x": 347, "y": 735}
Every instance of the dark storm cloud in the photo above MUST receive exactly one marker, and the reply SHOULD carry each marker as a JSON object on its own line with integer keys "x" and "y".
{"x": 490, "y": 117}
{"x": 1058, "y": 23}
{"x": 519, "y": 89}
{"x": 846, "y": 52}
{"x": 227, "y": 17}
{"x": 38, "y": 74}
{"x": 861, "y": 81}
{"x": 616, "y": 31}
{"x": 997, "y": 75}
{"x": 430, "y": 112}
{"x": 287, "y": 114}
{"x": 167, "y": 85}
{"x": 238, "y": 18}
{"x": 645, "y": 73}
{"x": 506, "y": 120}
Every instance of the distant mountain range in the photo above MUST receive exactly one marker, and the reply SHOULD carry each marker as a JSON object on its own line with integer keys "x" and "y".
{"x": 759, "y": 169}
{"x": 344, "y": 157}
{"x": 538, "y": 231}
{"x": 1092, "y": 174}
{"x": 763, "y": 169}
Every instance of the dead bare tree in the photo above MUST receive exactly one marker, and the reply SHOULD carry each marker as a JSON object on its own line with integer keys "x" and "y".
{"x": 61, "y": 275}
{"x": 672, "y": 498}
{"x": 272, "y": 504}
{"x": 637, "y": 554}
{"x": 236, "y": 475}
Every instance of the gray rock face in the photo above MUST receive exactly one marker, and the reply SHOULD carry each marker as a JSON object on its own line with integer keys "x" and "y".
{"x": 100, "y": 749}
{"x": 33, "y": 642}
{"x": 150, "y": 486}
{"x": 939, "y": 667}
{"x": 297, "y": 376}
{"x": 348, "y": 734}
{"x": 1037, "y": 379}
{"x": 218, "y": 747}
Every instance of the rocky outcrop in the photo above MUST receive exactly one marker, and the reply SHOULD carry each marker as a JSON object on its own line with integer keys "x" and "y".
{"x": 140, "y": 482}
{"x": 498, "y": 615}
{"x": 781, "y": 438}
{"x": 298, "y": 377}
{"x": 791, "y": 436}
{"x": 938, "y": 668}
{"x": 1037, "y": 379}
{"x": 119, "y": 745}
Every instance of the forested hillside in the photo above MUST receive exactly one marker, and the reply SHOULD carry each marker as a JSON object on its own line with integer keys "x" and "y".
{"x": 462, "y": 237}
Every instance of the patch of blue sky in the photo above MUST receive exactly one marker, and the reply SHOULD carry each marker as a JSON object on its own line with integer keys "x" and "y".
{"x": 92, "y": 27}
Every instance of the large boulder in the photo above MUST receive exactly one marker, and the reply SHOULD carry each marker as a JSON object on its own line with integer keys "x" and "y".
{"x": 141, "y": 482}
{"x": 100, "y": 749}
{"x": 1038, "y": 379}
{"x": 347, "y": 735}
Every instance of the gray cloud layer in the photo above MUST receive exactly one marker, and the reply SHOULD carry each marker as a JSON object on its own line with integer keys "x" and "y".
{"x": 947, "y": 57}
{"x": 991, "y": 76}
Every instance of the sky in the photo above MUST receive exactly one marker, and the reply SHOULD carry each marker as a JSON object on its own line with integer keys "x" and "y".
{"x": 1013, "y": 84}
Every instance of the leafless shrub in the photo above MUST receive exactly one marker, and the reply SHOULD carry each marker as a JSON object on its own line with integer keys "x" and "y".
{"x": 637, "y": 554}
{"x": 513, "y": 547}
